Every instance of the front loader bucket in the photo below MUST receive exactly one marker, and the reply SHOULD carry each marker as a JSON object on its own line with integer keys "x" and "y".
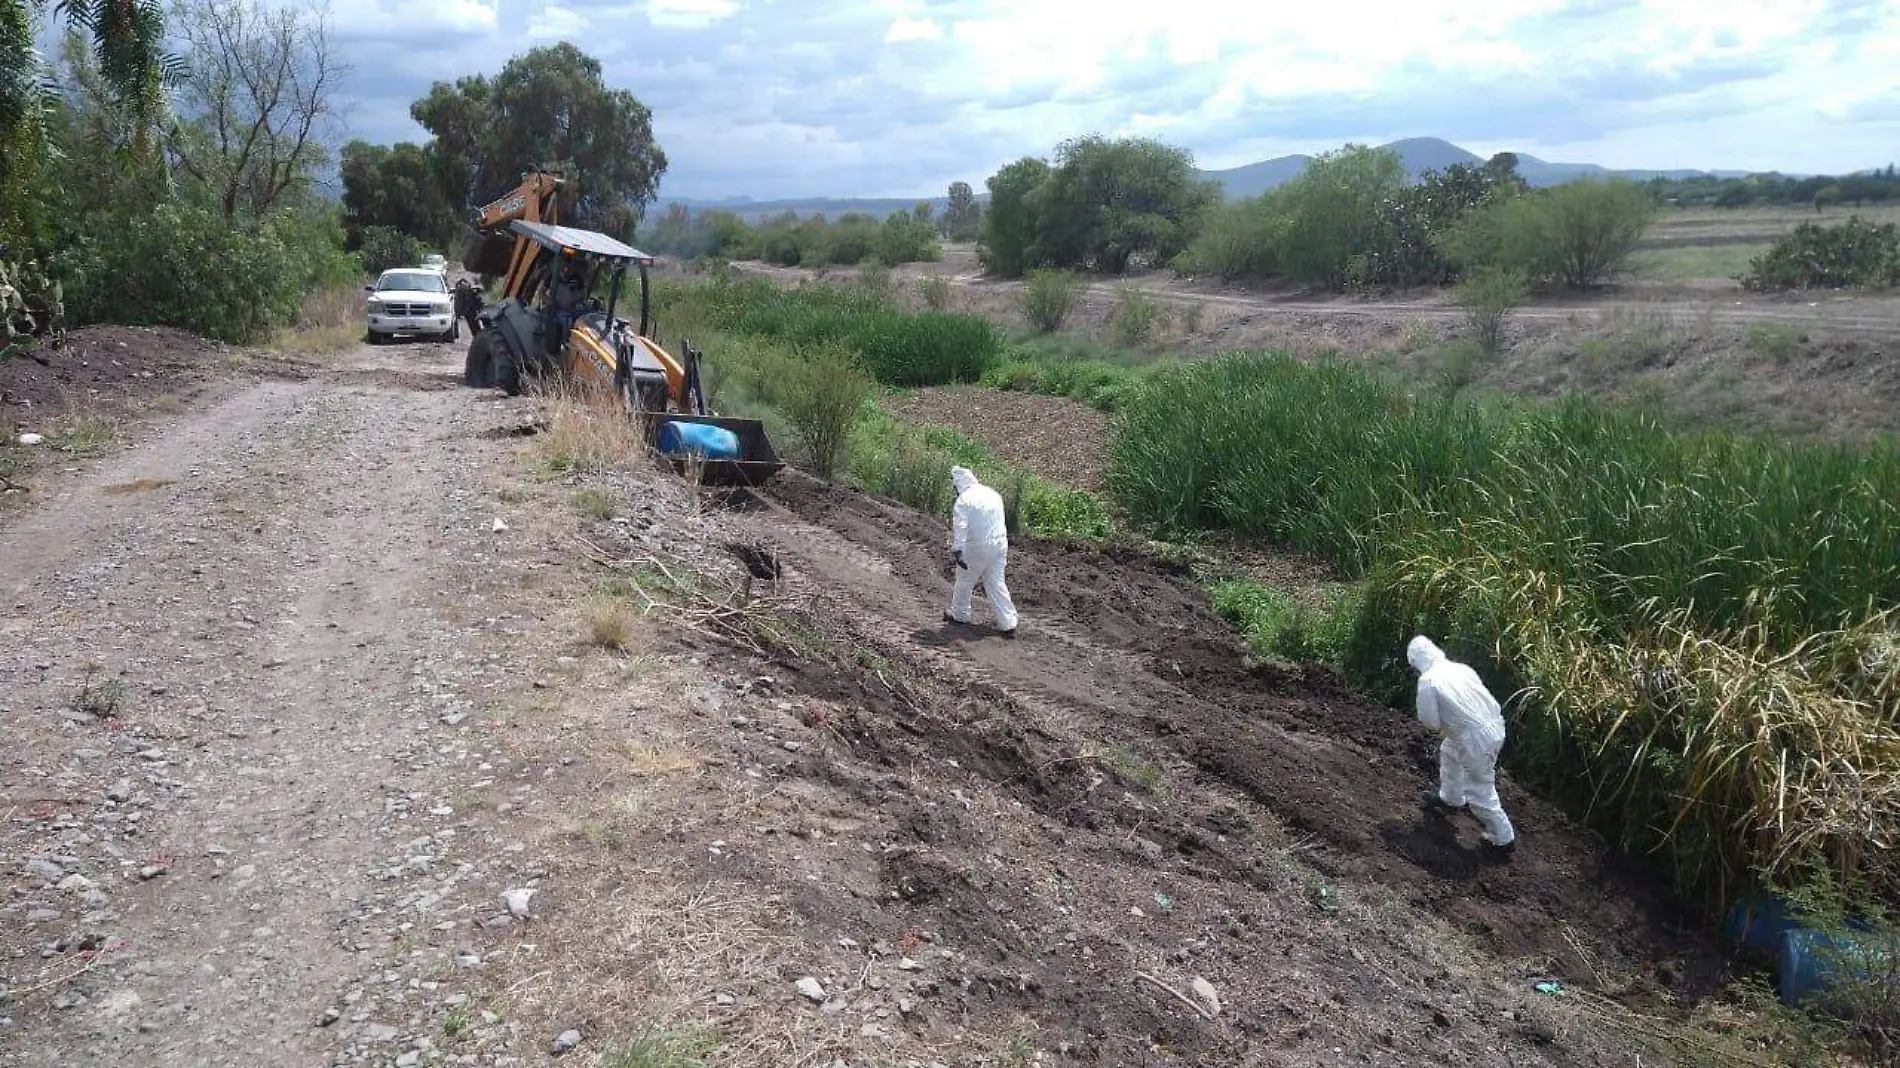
{"x": 758, "y": 462}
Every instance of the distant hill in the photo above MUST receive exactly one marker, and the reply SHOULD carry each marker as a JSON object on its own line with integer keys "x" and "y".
{"x": 1421, "y": 154}
{"x": 753, "y": 210}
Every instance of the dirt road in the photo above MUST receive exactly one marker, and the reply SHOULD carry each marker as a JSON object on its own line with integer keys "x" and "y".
{"x": 339, "y": 710}
{"x": 223, "y": 668}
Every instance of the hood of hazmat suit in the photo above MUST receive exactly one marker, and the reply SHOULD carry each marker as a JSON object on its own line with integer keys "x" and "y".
{"x": 1452, "y": 699}
{"x": 1423, "y": 654}
{"x": 976, "y": 521}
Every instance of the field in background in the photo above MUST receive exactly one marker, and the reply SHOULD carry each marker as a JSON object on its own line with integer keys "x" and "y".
{"x": 1710, "y": 247}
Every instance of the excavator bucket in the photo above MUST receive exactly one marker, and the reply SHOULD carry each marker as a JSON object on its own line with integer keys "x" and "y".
{"x": 756, "y": 464}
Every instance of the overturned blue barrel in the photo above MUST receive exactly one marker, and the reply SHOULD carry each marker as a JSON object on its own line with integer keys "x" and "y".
{"x": 1813, "y": 963}
{"x": 712, "y": 442}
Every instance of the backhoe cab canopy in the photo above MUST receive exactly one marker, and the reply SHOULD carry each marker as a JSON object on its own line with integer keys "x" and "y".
{"x": 569, "y": 244}
{"x": 567, "y": 241}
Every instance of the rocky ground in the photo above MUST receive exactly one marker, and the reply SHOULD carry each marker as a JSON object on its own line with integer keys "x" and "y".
{"x": 358, "y": 718}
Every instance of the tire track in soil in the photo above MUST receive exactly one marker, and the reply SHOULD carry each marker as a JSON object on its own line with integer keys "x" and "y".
{"x": 1133, "y": 647}
{"x": 267, "y": 606}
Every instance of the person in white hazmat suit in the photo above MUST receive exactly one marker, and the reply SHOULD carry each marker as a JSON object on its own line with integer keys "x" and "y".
{"x": 979, "y": 548}
{"x": 1453, "y": 701}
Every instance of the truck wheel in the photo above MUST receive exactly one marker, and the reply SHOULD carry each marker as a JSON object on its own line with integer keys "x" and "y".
{"x": 475, "y": 366}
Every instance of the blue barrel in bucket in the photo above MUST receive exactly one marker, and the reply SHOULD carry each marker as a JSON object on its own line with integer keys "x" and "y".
{"x": 1811, "y": 961}
{"x": 712, "y": 442}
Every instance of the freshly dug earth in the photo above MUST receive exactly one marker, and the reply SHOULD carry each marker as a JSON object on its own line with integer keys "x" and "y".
{"x": 1054, "y": 437}
{"x": 109, "y": 366}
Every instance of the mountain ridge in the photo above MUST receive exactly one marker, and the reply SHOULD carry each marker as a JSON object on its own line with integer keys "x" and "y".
{"x": 1419, "y": 154}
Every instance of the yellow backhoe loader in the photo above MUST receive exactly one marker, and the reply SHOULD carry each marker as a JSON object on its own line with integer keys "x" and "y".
{"x": 550, "y": 321}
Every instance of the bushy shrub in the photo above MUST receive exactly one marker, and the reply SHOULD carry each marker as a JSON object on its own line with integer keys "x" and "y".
{"x": 935, "y": 292}
{"x": 1488, "y": 295}
{"x": 1575, "y": 235}
{"x": 182, "y": 266}
{"x": 384, "y": 248}
{"x": 1238, "y": 241}
{"x": 1047, "y": 298}
{"x": 823, "y": 394}
{"x": 1854, "y": 254}
{"x": 1137, "y": 314}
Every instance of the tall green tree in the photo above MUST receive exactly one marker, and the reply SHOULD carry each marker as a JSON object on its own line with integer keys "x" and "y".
{"x": 1107, "y": 202}
{"x": 548, "y": 107}
{"x": 1008, "y": 243}
{"x": 963, "y": 215}
{"x": 394, "y": 186}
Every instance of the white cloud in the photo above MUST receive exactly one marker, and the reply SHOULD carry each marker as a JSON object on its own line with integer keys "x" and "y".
{"x": 556, "y": 23}
{"x": 689, "y": 14}
{"x": 906, "y": 29}
{"x": 869, "y": 97}
{"x": 371, "y": 18}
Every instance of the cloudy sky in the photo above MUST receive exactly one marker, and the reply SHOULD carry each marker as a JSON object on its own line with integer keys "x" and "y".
{"x": 784, "y": 98}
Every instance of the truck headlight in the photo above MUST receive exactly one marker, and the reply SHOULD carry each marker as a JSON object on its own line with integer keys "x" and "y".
{"x": 375, "y": 307}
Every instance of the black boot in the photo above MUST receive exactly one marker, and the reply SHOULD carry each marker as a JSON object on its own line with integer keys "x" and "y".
{"x": 1431, "y": 802}
{"x": 1494, "y": 851}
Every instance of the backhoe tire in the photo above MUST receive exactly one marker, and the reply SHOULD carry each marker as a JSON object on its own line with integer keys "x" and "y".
{"x": 503, "y": 372}
{"x": 475, "y": 365}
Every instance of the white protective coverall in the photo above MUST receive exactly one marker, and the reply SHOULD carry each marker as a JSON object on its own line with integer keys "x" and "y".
{"x": 1453, "y": 701}
{"x": 977, "y": 530}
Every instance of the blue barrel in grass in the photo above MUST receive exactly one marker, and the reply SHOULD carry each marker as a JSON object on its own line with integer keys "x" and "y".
{"x": 1813, "y": 963}
{"x": 711, "y": 442}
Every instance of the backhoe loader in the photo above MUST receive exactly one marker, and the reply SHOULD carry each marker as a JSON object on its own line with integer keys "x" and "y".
{"x": 550, "y": 321}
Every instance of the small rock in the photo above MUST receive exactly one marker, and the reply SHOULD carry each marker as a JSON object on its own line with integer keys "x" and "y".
{"x": 1135, "y": 910}
{"x": 76, "y": 882}
{"x": 722, "y": 999}
{"x": 32, "y": 439}
{"x": 811, "y": 990}
{"x": 45, "y": 869}
{"x": 69, "y": 1000}
{"x": 517, "y": 902}
{"x": 244, "y": 873}
{"x": 569, "y": 1038}
{"x": 454, "y": 718}
{"x": 89, "y": 754}
{"x": 409, "y": 1059}
{"x": 42, "y": 916}
{"x": 329, "y": 1017}
{"x": 906, "y": 1005}
{"x": 152, "y": 871}
{"x": 490, "y": 1018}
{"x": 380, "y": 1033}
{"x": 120, "y": 792}
{"x": 905, "y": 964}
{"x": 498, "y": 527}
{"x": 1210, "y": 998}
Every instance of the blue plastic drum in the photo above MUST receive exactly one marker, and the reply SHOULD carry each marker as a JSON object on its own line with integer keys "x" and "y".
{"x": 714, "y": 443}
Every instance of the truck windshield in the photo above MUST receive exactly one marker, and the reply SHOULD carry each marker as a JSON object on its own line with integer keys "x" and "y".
{"x": 412, "y": 281}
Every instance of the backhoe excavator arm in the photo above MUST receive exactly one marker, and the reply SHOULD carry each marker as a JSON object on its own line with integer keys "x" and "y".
{"x": 534, "y": 200}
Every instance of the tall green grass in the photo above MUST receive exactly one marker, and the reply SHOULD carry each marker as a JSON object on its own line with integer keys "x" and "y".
{"x": 911, "y": 464}
{"x": 1689, "y": 615}
{"x": 892, "y": 345}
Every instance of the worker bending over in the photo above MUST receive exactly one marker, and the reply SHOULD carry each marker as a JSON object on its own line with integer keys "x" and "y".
{"x": 979, "y": 547}
{"x": 1453, "y": 701}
